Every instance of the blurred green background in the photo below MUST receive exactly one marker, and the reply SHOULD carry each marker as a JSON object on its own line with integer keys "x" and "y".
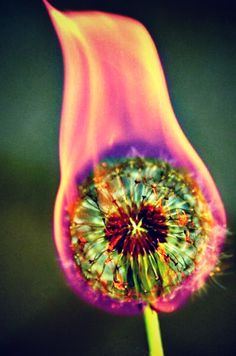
{"x": 40, "y": 315}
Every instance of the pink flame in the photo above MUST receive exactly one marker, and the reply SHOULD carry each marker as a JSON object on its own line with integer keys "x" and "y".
{"x": 116, "y": 98}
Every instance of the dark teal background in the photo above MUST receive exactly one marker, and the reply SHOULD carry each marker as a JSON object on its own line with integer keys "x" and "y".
{"x": 40, "y": 315}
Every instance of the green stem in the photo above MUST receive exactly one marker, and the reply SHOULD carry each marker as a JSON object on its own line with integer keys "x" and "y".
{"x": 153, "y": 332}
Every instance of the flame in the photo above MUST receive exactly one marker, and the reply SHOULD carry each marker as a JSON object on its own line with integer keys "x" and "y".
{"x": 116, "y": 100}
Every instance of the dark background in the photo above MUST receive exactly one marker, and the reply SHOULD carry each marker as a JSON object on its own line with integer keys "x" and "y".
{"x": 40, "y": 315}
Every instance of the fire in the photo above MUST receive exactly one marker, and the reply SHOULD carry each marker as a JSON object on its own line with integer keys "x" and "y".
{"x": 115, "y": 104}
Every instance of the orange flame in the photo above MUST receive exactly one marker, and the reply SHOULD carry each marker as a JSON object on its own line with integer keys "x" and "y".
{"x": 115, "y": 94}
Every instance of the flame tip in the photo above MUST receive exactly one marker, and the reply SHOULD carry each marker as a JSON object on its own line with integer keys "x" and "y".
{"x": 50, "y": 8}
{"x": 46, "y": 3}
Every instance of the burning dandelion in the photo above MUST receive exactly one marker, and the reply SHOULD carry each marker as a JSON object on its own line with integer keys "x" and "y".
{"x": 143, "y": 227}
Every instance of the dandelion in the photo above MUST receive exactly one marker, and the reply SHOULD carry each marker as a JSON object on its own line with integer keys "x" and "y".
{"x": 138, "y": 222}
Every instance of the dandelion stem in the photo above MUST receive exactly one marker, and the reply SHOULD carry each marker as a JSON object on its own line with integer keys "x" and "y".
{"x": 153, "y": 332}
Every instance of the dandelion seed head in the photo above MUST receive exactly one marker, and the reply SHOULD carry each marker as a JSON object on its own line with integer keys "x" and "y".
{"x": 139, "y": 229}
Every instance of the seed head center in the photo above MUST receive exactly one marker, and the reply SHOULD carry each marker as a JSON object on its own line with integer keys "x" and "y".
{"x": 137, "y": 228}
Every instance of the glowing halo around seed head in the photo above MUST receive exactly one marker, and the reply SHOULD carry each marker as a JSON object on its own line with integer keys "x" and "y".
{"x": 116, "y": 106}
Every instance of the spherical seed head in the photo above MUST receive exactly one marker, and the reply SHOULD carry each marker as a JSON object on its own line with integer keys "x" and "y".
{"x": 139, "y": 229}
